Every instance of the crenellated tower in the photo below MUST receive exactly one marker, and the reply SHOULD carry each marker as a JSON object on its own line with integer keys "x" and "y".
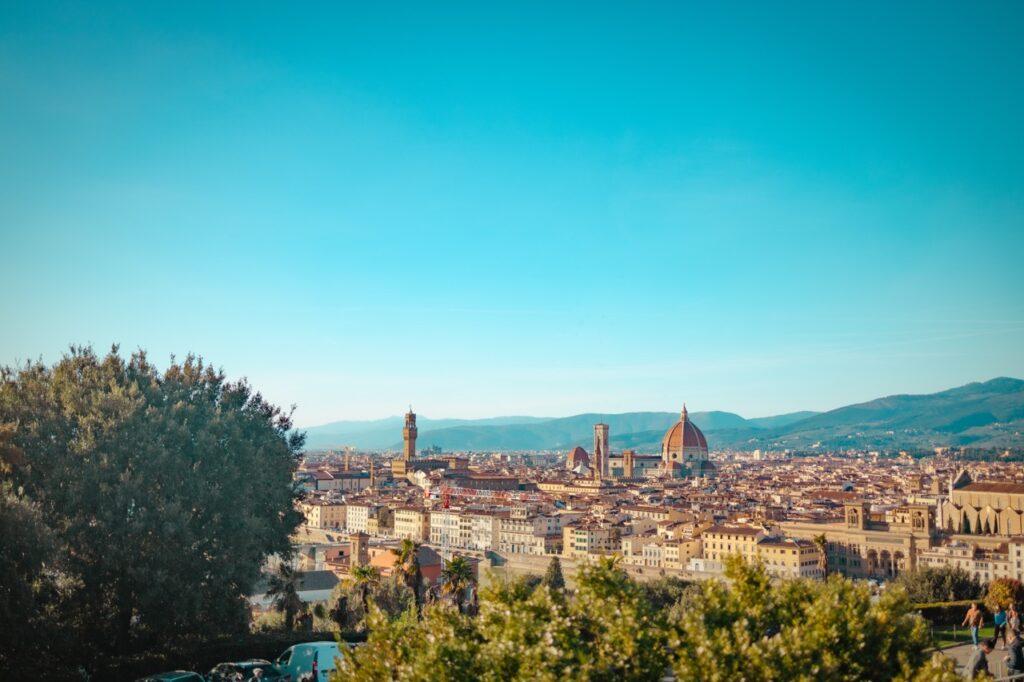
{"x": 409, "y": 433}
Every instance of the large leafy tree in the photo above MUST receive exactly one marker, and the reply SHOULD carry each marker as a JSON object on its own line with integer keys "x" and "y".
{"x": 1003, "y": 593}
{"x": 947, "y": 583}
{"x": 745, "y": 629}
{"x": 166, "y": 490}
{"x": 606, "y": 632}
{"x": 28, "y": 583}
{"x": 753, "y": 630}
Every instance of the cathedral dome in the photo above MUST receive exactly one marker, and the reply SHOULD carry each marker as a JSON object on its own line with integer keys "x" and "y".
{"x": 683, "y": 434}
{"x": 577, "y": 456}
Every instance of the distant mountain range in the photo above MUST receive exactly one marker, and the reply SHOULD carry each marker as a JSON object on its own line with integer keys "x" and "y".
{"x": 986, "y": 414}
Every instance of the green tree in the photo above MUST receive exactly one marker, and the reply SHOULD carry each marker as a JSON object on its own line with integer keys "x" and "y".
{"x": 1002, "y": 592}
{"x": 746, "y": 629}
{"x": 553, "y": 575}
{"x": 165, "y": 490}
{"x": 821, "y": 543}
{"x": 364, "y": 578}
{"x": 808, "y": 630}
{"x": 408, "y": 569}
{"x": 350, "y": 611}
{"x": 606, "y": 632}
{"x": 457, "y": 577}
{"x": 283, "y": 589}
{"x": 28, "y": 583}
{"x": 442, "y": 646}
{"x": 948, "y": 583}
{"x": 664, "y": 593}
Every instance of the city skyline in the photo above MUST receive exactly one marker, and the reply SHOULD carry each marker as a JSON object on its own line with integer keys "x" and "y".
{"x": 520, "y": 211}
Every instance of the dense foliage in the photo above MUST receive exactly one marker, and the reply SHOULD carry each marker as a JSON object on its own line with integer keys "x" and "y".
{"x": 948, "y": 583}
{"x": 27, "y": 582}
{"x": 612, "y": 628}
{"x": 1003, "y": 593}
{"x": 352, "y": 600}
{"x": 163, "y": 493}
{"x": 553, "y": 578}
{"x": 752, "y": 629}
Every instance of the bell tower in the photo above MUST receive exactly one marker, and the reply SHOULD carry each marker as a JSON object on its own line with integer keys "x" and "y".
{"x": 600, "y": 460}
{"x": 409, "y": 436}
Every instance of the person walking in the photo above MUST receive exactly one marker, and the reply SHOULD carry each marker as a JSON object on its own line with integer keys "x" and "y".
{"x": 1013, "y": 618}
{"x": 974, "y": 619}
{"x": 1015, "y": 659}
{"x": 999, "y": 621}
{"x": 978, "y": 662}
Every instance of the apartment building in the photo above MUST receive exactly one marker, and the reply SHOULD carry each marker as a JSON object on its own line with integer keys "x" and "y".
{"x": 584, "y": 538}
{"x": 984, "y": 563}
{"x": 357, "y": 514}
{"x": 790, "y": 558}
{"x": 364, "y": 516}
{"x": 449, "y": 529}
{"x": 654, "y": 513}
{"x": 721, "y": 541}
{"x": 524, "y": 533}
{"x": 324, "y": 514}
{"x": 412, "y": 523}
{"x": 485, "y": 529}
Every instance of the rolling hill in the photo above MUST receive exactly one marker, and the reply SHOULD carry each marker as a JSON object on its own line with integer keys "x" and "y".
{"x": 988, "y": 414}
{"x": 983, "y": 414}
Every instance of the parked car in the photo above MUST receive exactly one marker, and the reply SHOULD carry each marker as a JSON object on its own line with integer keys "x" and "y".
{"x": 302, "y": 659}
{"x": 174, "y": 676}
{"x": 244, "y": 670}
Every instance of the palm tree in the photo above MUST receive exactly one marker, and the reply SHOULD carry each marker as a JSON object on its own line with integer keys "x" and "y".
{"x": 821, "y": 542}
{"x": 363, "y": 580}
{"x": 458, "y": 576}
{"x": 408, "y": 568}
{"x": 283, "y": 589}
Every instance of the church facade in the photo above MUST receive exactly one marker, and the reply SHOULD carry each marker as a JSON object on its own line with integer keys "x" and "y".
{"x": 983, "y": 507}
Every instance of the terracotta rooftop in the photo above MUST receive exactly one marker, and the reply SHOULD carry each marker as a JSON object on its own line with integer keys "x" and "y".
{"x": 994, "y": 487}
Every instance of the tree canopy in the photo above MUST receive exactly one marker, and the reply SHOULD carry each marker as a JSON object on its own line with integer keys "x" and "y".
{"x": 946, "y": 583}
{"x": 164, "y": 491}
{"x": 1002, "y": 593}
{"x": 743, "y": 629}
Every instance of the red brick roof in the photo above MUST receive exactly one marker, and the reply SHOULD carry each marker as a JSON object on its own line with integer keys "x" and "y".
{"x": 995, "y": 487}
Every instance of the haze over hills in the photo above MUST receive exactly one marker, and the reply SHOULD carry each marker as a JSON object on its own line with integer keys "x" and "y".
{"x": 380, "y": 434}
{"x": 983, "y": 414}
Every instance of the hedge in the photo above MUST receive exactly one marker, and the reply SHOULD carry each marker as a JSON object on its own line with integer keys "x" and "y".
{"x": 946, "y": 612}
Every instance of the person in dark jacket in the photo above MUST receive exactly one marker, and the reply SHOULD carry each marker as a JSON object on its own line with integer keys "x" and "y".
{"x": 978, "y": 662}
{"x": 1015, "y": 660}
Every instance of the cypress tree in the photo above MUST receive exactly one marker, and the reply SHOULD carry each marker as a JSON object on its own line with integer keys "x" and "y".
{"x": 553, "y": 576}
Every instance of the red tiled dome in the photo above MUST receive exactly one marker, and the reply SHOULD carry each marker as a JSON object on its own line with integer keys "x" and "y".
{"x": 683, "y": 434}
{"x": 576, "y": 457}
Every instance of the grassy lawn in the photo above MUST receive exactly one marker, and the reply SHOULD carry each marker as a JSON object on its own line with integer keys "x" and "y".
{"x": 947, "y": 635}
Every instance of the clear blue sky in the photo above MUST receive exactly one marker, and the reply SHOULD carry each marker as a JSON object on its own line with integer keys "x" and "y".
{"x": 519, "y": 209}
